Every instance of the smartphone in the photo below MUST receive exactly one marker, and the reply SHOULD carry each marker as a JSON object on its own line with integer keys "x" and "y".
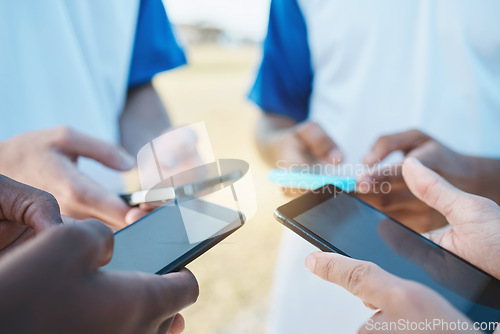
{"x": 302, "y": 180}
{"x": 172, "y": 236}
{"x": 335, "y": 221}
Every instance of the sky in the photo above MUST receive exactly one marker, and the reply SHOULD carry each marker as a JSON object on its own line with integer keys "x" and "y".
{"x": 239, "y": 18}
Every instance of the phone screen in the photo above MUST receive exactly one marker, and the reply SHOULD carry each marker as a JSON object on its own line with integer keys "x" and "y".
{"x": 171, "y": 236}
{"x": 339, "y": 222}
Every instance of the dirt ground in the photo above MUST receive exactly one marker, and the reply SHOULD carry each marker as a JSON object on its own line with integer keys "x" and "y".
{"x": 235, "y": 277}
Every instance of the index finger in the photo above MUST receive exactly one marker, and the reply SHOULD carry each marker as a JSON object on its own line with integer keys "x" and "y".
{"x": 74, "y": 142}
{"x": 402, "y": 141}
{"x": 363, "y": 279}
{"x": 97, "y": 201}
{"x": 27, "y": 205}
{"x": 389, "y": 177}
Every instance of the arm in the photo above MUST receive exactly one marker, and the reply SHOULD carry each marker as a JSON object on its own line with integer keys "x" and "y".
{"x": 282, "y": 90}
{"x": 268, "y": 128}
{"x": 283, "y": 142}
{"x": 143, "y": 118}
{"x": 155, "y": 50}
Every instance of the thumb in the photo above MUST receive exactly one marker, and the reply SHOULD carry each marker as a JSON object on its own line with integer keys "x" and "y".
{"x": 431, "y": 188}
{"x": 91, "y": 243}
{"x": 363, "y": 279}
{"x": 112, "y": 156}
{"x": 28, "y": 206}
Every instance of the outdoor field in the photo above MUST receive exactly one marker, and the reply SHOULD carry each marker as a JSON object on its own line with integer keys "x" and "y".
{"x": 236, "y": 276}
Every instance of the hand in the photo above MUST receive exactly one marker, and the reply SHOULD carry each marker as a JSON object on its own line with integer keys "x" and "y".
{"x": 475, "y": 221}
{"x": 386, "y": 190}
{"x": 474, "y": 236}
{"x": 175, "y": 155}
{"x": 53, "y": 284}
{"x": 24, "y": 211}
{"x": 175, "y": 151}
{"x": 286, "y": 144}
{"x": 398, "y": 300}
{"x": 47, "y": 160}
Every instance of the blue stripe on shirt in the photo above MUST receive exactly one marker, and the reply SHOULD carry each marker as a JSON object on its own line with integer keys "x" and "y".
{"x": 155, "y": 48}
{"x": 284, "y": 82}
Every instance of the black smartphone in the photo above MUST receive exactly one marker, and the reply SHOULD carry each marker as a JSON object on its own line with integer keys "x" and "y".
{"x": 335, "y": 221}
{"x": 172, "y": 236}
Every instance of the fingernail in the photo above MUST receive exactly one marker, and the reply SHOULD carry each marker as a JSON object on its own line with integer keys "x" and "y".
{"x": 370, "y": 158}
{"x": 128, "y": 161}
{"x": 311, "y": 262}
{"x": 335, "y": 156}
{"x": 412, "y": 160}
{"x": 364, "y": 184}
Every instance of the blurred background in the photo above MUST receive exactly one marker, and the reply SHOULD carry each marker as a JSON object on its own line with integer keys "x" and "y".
{"x": 222, "y": 40}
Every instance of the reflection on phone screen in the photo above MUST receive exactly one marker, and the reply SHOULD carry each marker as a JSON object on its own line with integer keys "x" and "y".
{"x": 364, "y": 233}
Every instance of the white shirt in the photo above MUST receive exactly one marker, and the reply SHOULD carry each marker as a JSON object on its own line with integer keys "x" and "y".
{"x": 66, "y": 63}
{"x": 378, "y": 67}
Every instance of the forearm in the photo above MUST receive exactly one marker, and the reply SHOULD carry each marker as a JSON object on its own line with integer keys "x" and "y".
{"x": 269, "y": 129}
{"x": 143, "y": 118}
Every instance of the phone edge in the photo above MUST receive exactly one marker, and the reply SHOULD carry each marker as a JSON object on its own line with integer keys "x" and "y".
{"x": 312, "y": 238}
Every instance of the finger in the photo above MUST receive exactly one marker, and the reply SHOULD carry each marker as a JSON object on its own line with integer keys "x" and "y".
{"x": 28, "y": 206}
{"x": 13, "y": 235}
{"x": 319, "y": 143}
{"x": 178, "y": 324}
{"x": 165, "y": 326}
{"x": 175, "y": 146}
{"x": 134, "y": 215}
{"x": 173, "y": 292}
{"x": 363, "y": 279}
{"x": 368, "y": 327}
{"x": 393, "y": 200}
{"x": 431, "y": 188}
{"x": 370, "y": 306}
{"x": 69, "y": 220}
{"x": 91, "y": 242}
{"x": 112, "y": 156}
{"x": 403, "y": 141}
{"x": 293, "y": 192}
{"x": 384, "y": 179}
{"x": 95, "y": 201}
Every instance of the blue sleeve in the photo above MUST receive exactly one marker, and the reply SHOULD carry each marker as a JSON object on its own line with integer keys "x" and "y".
{"x": 155, "y": 48}
{"x": 284, "y": 81}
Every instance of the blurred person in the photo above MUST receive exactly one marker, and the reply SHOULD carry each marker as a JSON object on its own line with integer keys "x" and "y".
{"x": 341, "y": 80}
{"x": 474, "y": 235}
{"x": 51, "y": 282}
{"x": 75, "y": 86}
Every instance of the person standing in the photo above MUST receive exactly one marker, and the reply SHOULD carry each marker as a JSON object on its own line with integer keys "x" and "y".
{"x": 76, "y": 91}
{"x": 338, "y": 78}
